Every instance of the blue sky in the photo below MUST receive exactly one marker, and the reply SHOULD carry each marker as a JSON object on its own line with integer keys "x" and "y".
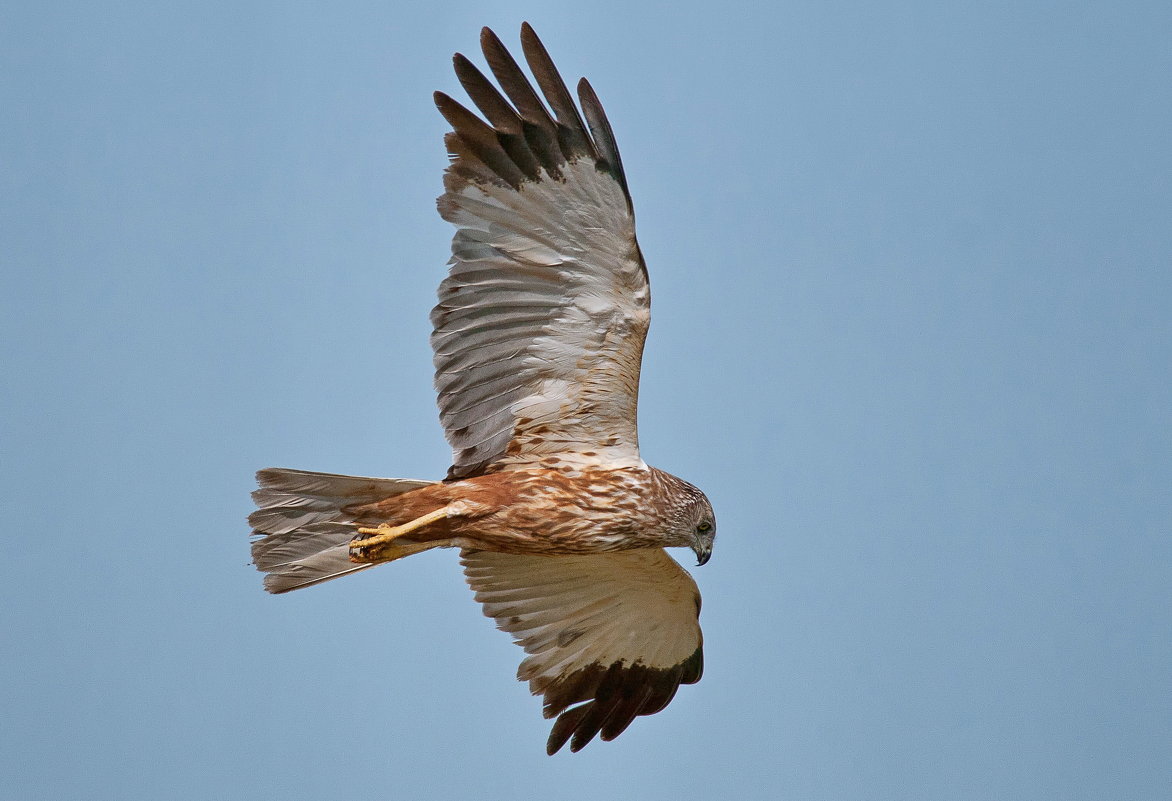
{"x": 912, "y": 269}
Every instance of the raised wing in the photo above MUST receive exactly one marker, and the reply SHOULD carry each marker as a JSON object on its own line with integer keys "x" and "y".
{"x": 609, "y": 636}
{"x": 540, "y": 324}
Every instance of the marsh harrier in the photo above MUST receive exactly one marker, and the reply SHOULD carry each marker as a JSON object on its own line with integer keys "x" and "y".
{"x": 538, "y": 339}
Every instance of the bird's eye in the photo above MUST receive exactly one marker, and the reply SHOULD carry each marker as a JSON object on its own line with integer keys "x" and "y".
{"x": 704, "y": 527}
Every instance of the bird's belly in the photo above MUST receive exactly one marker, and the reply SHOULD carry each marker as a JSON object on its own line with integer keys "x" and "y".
{"x": 548, "y": 512}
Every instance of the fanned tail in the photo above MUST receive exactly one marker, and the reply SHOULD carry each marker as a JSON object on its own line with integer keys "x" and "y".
{"x": 302, "y": 526}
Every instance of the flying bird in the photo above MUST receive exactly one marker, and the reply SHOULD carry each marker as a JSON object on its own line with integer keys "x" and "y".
{"x": 538, "y": 338}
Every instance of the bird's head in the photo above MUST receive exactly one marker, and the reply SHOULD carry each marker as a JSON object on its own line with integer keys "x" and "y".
{"x": 703, "y": 533}
{"x": 688, "y": 517}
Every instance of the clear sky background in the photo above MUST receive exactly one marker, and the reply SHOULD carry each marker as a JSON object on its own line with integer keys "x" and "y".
{"x": 912, "y": 268}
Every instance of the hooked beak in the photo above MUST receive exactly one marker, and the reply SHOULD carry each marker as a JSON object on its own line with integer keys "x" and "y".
{"x": 703, "y": 553}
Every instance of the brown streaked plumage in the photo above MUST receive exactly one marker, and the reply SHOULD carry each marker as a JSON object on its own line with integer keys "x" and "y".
{"x": 538, "y": 338}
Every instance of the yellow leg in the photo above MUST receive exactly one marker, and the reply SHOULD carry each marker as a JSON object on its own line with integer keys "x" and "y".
{"x": 387, "y": 533}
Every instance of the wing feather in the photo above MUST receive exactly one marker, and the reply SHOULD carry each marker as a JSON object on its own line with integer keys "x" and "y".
{"x": 538, "y": 127}
{"x": 571, "y": 130}
{"x": 609, "y": 636}
{"x": 539, "y": 330}
{"x": 601, "y": 131}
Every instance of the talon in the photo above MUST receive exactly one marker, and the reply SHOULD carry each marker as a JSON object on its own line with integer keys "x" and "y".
{"x": 385, "y": 532}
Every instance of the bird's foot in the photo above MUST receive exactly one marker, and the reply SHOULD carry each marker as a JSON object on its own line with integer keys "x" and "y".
{"x": 384, "y": 533}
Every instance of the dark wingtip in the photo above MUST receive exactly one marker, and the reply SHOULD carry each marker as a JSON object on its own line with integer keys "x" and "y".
{"x": 564, "y": 727}
{"x": 488, "y": 37}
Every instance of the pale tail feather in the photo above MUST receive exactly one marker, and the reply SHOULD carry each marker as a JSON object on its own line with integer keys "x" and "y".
{"x": 302, "y": 531}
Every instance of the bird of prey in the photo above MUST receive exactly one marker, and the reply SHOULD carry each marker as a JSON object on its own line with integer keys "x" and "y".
{"x": 538, "y": 338}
